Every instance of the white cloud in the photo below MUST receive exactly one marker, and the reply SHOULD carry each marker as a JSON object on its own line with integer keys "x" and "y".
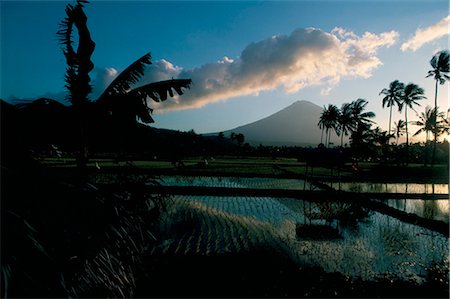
{"x": 304, "y": 58}
{"x": 426, "y": 35}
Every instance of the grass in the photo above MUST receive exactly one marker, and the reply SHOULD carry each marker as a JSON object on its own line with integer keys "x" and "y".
{"x": 265, "y": 166}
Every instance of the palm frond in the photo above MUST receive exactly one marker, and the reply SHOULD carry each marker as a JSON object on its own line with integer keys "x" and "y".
{"x": 158, "y": 91}
{"x": 131, "y": 75}
{"x": 135, "y": 101}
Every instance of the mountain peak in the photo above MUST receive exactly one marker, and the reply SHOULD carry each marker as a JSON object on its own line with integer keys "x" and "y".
{"x": 294, "y": 125}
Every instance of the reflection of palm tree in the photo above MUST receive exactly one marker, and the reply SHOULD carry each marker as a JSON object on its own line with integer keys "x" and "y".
{"x": 412, "y": 94}
{"x": 392, "y": 97}
{"x": 399, "y": 128}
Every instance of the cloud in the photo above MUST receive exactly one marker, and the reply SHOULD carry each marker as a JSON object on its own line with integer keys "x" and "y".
{"x": 426, "y": 35}
{"x": 304, "y": 58}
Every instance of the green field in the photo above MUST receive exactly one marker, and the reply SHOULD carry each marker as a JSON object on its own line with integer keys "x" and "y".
{"x": 264, "y": 166}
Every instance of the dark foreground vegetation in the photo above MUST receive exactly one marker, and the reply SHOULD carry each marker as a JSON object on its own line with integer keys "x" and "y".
{"x": 65, "y": 234}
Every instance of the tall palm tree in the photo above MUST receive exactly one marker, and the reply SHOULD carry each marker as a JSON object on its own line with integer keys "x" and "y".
{"x": 330, "y": 119}
{"x": 440, "y": 63}
{"x": 399, "y": 128}
{"x": 359, "y": 116}
{"x": 392, "y": 97}
{"x": 412, "y": 94}
{"x": 120, "y": 97}
{"x": 428, "y": 122}
{"x": 431, "y": 121}
{"x": 322, "y": 122}
{"x": 346, "y": 121}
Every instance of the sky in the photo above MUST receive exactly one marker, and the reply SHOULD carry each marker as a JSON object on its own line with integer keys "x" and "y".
{"x": 247, "y": 59}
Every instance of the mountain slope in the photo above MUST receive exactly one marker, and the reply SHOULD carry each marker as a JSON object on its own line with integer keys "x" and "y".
{"x": 293, "y": 125}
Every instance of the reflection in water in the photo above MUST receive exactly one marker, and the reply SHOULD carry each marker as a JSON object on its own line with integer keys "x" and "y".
{"x": 373, "y": 245}
{"x": 430, "y": 209}
{"x": 394, "y": 188}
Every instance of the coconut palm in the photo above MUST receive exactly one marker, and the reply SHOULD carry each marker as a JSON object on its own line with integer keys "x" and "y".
{"x": 120, "y": 97}
{"x": 431, "y": 121}
{"x": 322, "y": 122}
{"x": 441, "y": 68}
{"x": 361, "y": 131}
{"x": 346, "y": 121}
{"x": 399, "y": 128}
{"x": 359, "y": 116}
{"x": 428, "y": 122}
{"x": 329, "y": 119}
{"x": 412, "y": 94}
{"x": 440, "y": 63}
{"x": 392, "y": 97}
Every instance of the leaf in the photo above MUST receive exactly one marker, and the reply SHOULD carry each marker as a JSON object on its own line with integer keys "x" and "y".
{"x": 126, "y": 78}
{"x": 157, "y": 91}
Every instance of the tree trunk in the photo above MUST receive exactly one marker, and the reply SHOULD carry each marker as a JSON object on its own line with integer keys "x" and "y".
{"x": 321, "y": 136}
{"x": 390, "y": 118}
{"x": 407, "y": 137}
{"x": 435, "y": 131}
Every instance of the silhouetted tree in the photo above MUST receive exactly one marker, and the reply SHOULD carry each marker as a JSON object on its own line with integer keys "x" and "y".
{"x": 440, "y": 63}
{"x": 79, "y": 65}
{"x": 346, "y": 123}
{"x": 329, "y": 119}
{"x": 359, "y": 116}
{"x": 412, "y": 94}
{"x": 399, "y": 128}
{"x": 240, "y": 138}
{"x": 428, "y": 121}
{"x": 120, "y": 98}
{"x": 392, "y": 97}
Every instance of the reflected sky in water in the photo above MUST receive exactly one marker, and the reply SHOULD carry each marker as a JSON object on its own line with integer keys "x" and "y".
{"x": 412, "y": 188}
{"x": 431, "y": 209}
{"x": 297, "y": 184}
{"x": 369, "y": 244}
{"x": 235, "y": 182}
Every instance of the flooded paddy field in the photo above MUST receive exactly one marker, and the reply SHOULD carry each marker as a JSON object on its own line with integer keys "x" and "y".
{"x": 325, "y": 241}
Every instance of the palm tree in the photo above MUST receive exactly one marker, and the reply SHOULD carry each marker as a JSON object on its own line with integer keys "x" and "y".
{"x": 322, "y": 121}
{"x": 440, "y": 63}
{"x": 392, "y": 97}
{"x": 361, "y": 131}
{"x": 441, "y": 68}
{"x": 431, "y": 121}
{"x": 359, "y": 116}
{"x": 346, "y": 122}
{"x": 119, "y": 98}
{"x": 428, "y": 121}
{"x": 412, "y": 94}
{"x": 399, "y": 128}
{"x": 329, "y": 119}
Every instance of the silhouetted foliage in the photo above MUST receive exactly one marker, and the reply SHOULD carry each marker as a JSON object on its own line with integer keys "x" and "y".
{"x": 392, "y": 97}
{"x": 440, "y": 63}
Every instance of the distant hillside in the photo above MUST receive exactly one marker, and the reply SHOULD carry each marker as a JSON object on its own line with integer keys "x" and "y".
{"x": 294, "y": 125}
